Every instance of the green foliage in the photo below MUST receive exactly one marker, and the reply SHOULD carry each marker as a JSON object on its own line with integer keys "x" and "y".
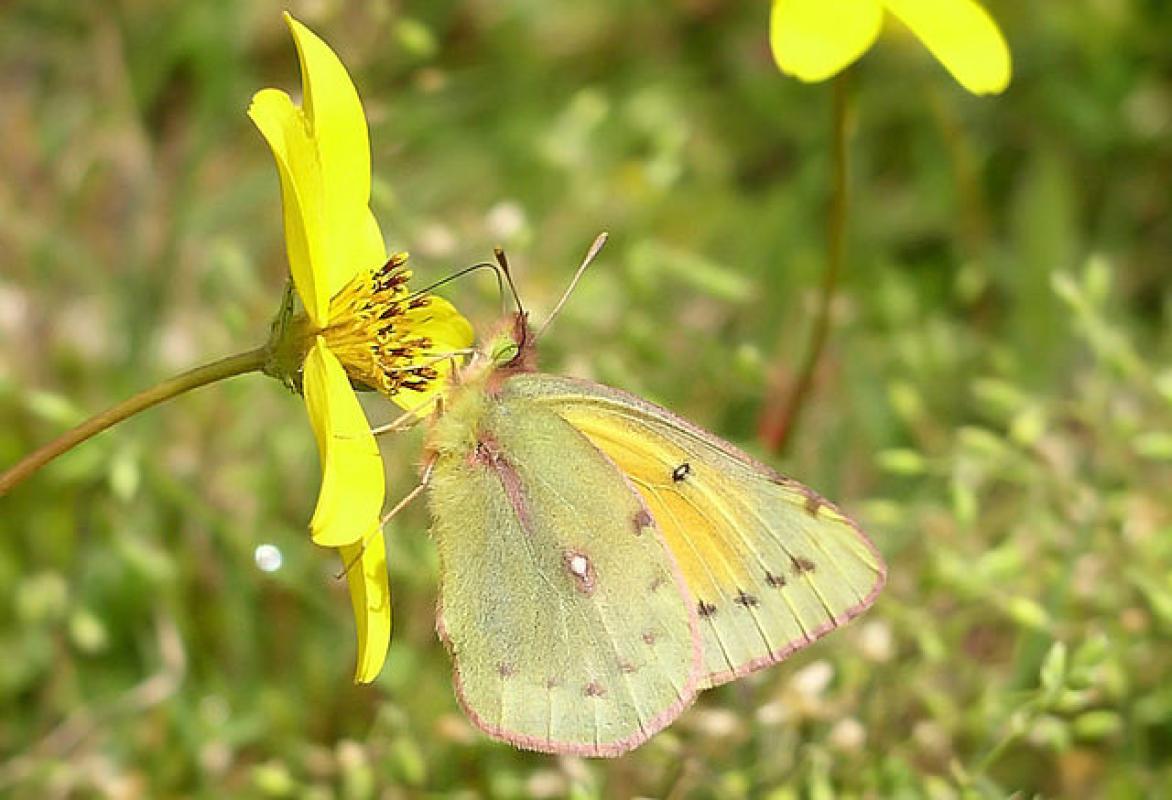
{"x": 996, "y": 403}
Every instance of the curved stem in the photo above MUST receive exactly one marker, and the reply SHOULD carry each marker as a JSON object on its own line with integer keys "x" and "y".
{"x": 777, "y": 428}
{"x": 239, "y": 364}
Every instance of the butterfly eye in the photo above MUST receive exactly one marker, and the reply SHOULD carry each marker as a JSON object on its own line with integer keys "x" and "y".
{"x": 504, "y": 354}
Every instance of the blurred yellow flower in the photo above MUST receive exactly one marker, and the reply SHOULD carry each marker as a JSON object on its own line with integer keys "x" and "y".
{"x": 815, "y": 39}
{"x": 360, "y": 324}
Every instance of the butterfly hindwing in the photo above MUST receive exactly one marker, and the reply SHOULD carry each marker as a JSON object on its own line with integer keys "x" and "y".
{"x": 771, "y": 565}
{"x": 570, "y": 625}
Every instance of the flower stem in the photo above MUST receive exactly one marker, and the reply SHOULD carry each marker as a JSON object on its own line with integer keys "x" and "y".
{"x": 778, "y": 421}
{"x": 239, "y": 364}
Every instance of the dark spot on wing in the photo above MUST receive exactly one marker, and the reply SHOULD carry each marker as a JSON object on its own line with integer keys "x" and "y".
{"x": 681, "y": 472}
{"x": 649, "y": 637}
{"x": 813, "y": 504}
{"x": 705, "y": 609}
{"x": 776, "y": 581}
{"x": 745, "y": 599}
{"x": 506, "y": 670}
{"x": 642, "y": 520}
{"x": 657, "y": 584}
{"x": 594, "y": 689}
{"x": 802, "y": 564}
{"x": 627, "y": 667}
{"x": 552, "y": 682}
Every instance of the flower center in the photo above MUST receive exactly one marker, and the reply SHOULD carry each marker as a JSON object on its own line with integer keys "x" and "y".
{"x": 373, "y": 333}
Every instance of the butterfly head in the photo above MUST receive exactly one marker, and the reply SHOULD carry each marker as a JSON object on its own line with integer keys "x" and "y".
{"x": 512, "y": 346}
{"x": 508, "y": 350}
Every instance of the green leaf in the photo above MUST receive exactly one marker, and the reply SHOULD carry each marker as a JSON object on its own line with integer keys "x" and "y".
{"x": 1053, "y": 672}
{"x": 1098, "y": 725}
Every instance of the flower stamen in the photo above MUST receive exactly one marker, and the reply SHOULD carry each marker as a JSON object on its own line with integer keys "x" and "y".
{"x": 373, "y": 330}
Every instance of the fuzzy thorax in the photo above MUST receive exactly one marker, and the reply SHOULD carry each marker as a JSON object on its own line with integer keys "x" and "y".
{"x": 506, "y": 351}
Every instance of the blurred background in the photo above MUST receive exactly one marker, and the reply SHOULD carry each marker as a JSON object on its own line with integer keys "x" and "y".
{"x": 995, "y": 405}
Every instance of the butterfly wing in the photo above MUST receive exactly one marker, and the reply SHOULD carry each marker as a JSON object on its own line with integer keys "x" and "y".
{"x": 772, "y": 565}
{"x": 568, "y": 620}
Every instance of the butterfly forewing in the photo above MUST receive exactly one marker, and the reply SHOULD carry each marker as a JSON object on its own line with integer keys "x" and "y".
{"x": 771, "y": 565}
{"x": 570, "y": 624}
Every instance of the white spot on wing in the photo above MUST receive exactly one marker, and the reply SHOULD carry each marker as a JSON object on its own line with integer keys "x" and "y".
{"x": 578, "y": 565}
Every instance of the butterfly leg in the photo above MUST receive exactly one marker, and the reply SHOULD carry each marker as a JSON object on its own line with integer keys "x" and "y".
{"x": 411, "y": 495}
{"x": 404, "y": 421}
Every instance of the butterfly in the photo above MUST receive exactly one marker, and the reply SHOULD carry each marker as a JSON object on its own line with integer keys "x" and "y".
{"x": 603, "y": 560}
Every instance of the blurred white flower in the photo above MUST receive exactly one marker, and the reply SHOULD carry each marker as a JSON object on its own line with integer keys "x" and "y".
{"x": 811, "y": 681}
{"x": 848, "y": 735}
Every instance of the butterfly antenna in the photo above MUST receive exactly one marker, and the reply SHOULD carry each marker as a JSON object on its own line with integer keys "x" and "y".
{"x": 502, "y": 261}
{"x": 480, "y": 265}
{"x": 591, "y": 254}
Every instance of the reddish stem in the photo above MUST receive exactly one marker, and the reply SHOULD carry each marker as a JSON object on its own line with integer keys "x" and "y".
{"x": 780, "y": 419}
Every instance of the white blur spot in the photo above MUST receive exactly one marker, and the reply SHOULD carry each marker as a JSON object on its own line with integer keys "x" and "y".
{"x": 812, "y": 680}
{"x": 579, "y": 565}
{"x": 505, "y": 220}
{"x": 877, "y": 641}
{"x": 773, "y": 714}
{"x": 268, "y": 558}
{"x": 436, "y": 241}
{"x": 716, "y": 722}
{"x": 848, "y": 735}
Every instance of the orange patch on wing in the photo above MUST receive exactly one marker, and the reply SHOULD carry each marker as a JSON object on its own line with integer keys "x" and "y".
{"x": 705, "y": 555}
{"x": 704, "y": 542}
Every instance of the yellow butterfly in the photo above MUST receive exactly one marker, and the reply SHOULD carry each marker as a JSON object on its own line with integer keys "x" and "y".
{"x": 603, "y": 560}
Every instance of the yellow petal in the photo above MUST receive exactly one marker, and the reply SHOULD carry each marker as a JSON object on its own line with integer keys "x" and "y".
{"x": 963, "y": 37}
{"x": 368, "y": 247}
{"x": 442, "y": 323}
{"x": 815, "y": 39}
{"x": 352, "y": 485}
{"x": 449, "y": 332}
{"x": 285, "y": 129}
{"x": 338, "y": 127}
{"x": 370, "y": 596}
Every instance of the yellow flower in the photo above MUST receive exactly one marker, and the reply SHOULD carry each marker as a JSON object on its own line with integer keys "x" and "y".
{"x": 360, "y": 324}
{"x": 815, "y": 39}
